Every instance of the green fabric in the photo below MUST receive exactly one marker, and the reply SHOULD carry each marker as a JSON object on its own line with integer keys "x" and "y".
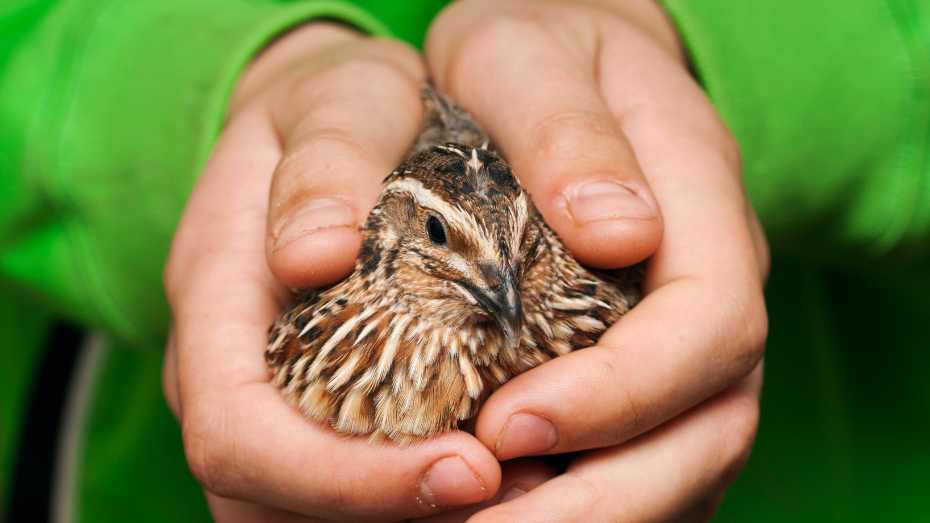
{"x": 132, "y": 435}
{"x": 844, "y": 430}
{"x": 830, "y": 102}
{"x": 109, "y": 109}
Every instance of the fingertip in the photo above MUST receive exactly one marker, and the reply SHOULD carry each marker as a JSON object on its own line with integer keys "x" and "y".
{"x": 483, "y": 463}
{"x": 612, "y": 244}
{"x": 605, "y": 223}
{"x": 452, "y": 482}
{"x": 317, "y": 258}
{"x": 507, "y": 427}
{"x": 537, "y": 412}
{"x": 491, "y": 419}
{"x": 488, "y": 469}
{"x": 464, "y": 473}
{"x": 519, "y": 478}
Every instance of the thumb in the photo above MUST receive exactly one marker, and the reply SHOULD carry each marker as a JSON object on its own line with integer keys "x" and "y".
{"x": 341, "y": 137}
{"x": 550, "y": 120}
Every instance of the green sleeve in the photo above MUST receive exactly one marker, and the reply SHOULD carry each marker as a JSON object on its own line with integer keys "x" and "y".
{"x": 108, "y": 110}
{"x": 830, "y": 102}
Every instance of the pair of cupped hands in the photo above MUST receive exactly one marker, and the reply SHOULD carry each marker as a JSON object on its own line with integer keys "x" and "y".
{"x": 593, "y": 105}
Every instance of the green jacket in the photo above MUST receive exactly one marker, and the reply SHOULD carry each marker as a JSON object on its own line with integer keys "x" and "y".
{"x": 109, "y": 109}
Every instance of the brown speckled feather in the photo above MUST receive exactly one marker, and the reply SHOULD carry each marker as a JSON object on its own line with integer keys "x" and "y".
{"x": 459, "y": 286}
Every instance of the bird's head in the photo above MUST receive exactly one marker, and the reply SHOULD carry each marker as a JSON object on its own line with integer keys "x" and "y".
{"x": 454, "y": 227}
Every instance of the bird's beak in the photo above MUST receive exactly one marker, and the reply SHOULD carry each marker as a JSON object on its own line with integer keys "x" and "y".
{"x": 502, "y": 302}
{"x": 509, "y": 313}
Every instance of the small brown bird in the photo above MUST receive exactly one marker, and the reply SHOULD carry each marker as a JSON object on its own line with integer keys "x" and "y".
{"x": 459, "y": 286}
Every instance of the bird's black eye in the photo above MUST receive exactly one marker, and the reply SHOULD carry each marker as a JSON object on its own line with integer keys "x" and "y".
{"x": 435, "y": 230}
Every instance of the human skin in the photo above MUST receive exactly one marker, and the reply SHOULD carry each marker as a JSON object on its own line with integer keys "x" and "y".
{"x": 576, "y": 95}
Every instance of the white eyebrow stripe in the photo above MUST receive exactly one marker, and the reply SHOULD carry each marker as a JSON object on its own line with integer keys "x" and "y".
{"x": 452, "y": 150}
{"x": 455, "y": 215}
{"x": 429, "y": 199}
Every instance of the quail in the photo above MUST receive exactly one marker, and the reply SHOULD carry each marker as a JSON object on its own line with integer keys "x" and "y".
{"x": 459, "y": 286}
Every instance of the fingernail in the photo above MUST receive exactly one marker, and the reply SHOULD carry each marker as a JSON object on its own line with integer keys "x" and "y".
{"x": 314, "y": 215}
{"x": 450, "y": 482}
{"x": 513, "y": 493}
{"x": 606, "y": 200}
{"x": 524, "y": 435}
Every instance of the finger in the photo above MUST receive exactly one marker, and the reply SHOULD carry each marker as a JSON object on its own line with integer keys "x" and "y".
{"x": 517, "y": 478}
{"x": 657, "y": 477}
{"x": 545, "y": 112}
{"x": 341, "y": 137}
{"x": 678, "y": 347}
{"x": 241, "y": 439}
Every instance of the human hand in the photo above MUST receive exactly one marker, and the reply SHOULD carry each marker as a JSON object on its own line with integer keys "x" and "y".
{"x": 597, "y": 95}
{"x": 316, "y": 122}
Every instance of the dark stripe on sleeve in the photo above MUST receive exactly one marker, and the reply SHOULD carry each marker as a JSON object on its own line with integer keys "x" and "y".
{"x": 36, "y": 458}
